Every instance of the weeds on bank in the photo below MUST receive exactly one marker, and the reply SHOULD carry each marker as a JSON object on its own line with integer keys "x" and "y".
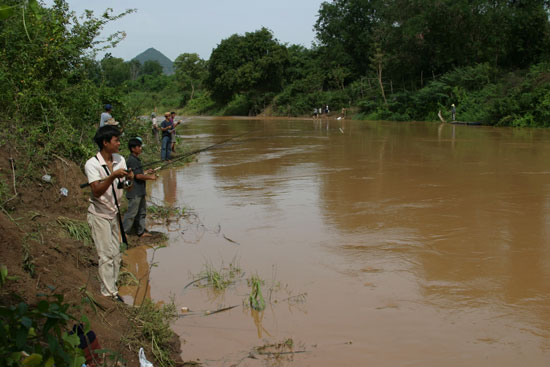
{"x": 152, "y": 323}
{"x": 28, "y": 259}
{"x": 77, "y": 229}
{"x": 218, "y": 279}
{"x": 126, "y": 278}
{"x": 4, "y": 190}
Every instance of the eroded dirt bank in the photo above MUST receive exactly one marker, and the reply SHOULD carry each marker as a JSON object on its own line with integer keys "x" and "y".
{"x": 44, "y": 260}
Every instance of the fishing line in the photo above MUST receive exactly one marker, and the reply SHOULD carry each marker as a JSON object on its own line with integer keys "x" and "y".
{"x": 185, "y": 155}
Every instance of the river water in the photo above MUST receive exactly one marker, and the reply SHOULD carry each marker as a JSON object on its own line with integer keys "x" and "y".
{"x": 380, "y": 243}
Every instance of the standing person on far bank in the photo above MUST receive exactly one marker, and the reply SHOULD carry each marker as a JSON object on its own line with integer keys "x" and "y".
{"x": 166, "y": 127}
{"x": 173, "y": 118}
{"x": 105, "y": 115}
{"x": 106, "y": 172}
{"x": 453, "y": 112}
{"x": 137, "y": 206}
{"x": 155, "y": 127}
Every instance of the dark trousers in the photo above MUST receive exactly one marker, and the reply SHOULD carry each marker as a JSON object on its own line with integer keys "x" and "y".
{"x": 135, "y": 216}
{"x": 166, "y": 148}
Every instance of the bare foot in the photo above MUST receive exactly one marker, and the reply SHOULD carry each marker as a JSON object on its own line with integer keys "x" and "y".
{"x": 146, "y": 234}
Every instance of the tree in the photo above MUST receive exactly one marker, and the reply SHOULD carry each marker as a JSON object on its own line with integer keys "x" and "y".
{"x": 115, "y": 70}
{"x": 191, "y": 71}
{"x": 48, "y": 74}
{"x": 345, "y": 30}
{"x": 135, "y": 69}
{"x": 152, "y": 67}
{"x": 377, "y": 61}
{"x": 431, "y": 37}
{"x": 252, "y": 64}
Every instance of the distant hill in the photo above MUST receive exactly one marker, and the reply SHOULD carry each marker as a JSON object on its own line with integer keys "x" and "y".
{"x": 154, "y": 55}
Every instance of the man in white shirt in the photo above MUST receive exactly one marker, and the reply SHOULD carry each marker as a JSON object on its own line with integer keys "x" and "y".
{"x": 106, "y": 172}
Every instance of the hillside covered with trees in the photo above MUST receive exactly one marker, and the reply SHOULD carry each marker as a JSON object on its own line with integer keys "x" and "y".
{"x": 391, "y": 60}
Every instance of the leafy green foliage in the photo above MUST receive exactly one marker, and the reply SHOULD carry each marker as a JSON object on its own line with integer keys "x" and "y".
{"x": 252, "y": 64}
{"x": 152, "y": 67}
{"x": 50, "y": 103}
{"x": 35, "y": 335}
{"x": 190, "y": 73}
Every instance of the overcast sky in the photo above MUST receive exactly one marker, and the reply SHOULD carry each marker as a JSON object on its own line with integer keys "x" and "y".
{"x": 198, "y": 26}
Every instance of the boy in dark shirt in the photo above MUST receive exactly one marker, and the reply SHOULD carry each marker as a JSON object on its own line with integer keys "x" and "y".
{"x": 137, "y": 208}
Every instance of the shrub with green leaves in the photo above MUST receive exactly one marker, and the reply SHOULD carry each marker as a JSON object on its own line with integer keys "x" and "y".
{"x": 36, "y": 335}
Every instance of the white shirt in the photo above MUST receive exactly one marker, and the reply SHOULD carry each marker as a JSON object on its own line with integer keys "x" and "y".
{"x": 154, "y": 122}
{"x": 104, "y": 206}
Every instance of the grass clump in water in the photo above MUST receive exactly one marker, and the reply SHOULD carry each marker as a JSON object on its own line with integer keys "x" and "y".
{"x": 219, "y": 279}
{"x": 164, "y": 212}
{"x": 256, "y": 299}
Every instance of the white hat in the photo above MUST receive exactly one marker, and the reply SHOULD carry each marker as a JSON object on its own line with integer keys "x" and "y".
{"x": 111, "y": 121}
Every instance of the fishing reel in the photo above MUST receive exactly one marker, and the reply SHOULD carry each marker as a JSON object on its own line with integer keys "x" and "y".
{"x": 124, "y": 183}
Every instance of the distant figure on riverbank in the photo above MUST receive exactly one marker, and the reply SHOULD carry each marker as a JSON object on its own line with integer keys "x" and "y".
{"x": 155, "y": 126}
{"x": 315, "y": 114}
{"x": 166, "y": 127}
{"x": 105, "y": 115}
{"x": 453, "y": 112}
{"x": 343, "y": 112}
{"x": 326, "y": 110}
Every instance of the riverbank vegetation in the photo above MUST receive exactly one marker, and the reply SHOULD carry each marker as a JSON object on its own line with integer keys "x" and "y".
{"x": 392, "y": 60}
{"x": 52, "y": 93}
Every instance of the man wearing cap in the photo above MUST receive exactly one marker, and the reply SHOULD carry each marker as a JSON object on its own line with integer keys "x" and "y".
{"x": 105, "y": 115}
{"x": 166, "y": 127}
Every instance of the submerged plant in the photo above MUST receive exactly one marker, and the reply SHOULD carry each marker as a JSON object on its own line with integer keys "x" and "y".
{"x": 256, "y": 298}
{"x": 219, "y": 279}
{"x": 164, "y": 212}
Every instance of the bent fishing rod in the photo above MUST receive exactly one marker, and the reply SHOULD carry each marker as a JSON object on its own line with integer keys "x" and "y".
{"x": 185, "y": 155}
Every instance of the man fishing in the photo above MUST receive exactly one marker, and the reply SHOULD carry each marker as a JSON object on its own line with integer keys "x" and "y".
{"x": 106, "y": 173}
{"x": 167, "y": 126}
{"x": 137, "y": 205}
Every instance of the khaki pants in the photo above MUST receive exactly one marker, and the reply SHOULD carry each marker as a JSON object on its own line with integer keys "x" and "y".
{"x": 106, "y": 236}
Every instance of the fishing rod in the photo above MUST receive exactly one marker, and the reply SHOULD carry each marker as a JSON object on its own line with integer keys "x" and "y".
{"x": 183, "y": 155}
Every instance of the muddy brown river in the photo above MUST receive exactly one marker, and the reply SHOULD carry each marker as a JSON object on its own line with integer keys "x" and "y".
{"x": 379, "y": 243}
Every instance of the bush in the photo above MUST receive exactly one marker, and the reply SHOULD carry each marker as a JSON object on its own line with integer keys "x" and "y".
{"x": 36, "y": 335}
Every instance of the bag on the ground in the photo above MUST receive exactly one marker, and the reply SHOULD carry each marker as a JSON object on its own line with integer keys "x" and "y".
{"x": 143, "y": 362}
